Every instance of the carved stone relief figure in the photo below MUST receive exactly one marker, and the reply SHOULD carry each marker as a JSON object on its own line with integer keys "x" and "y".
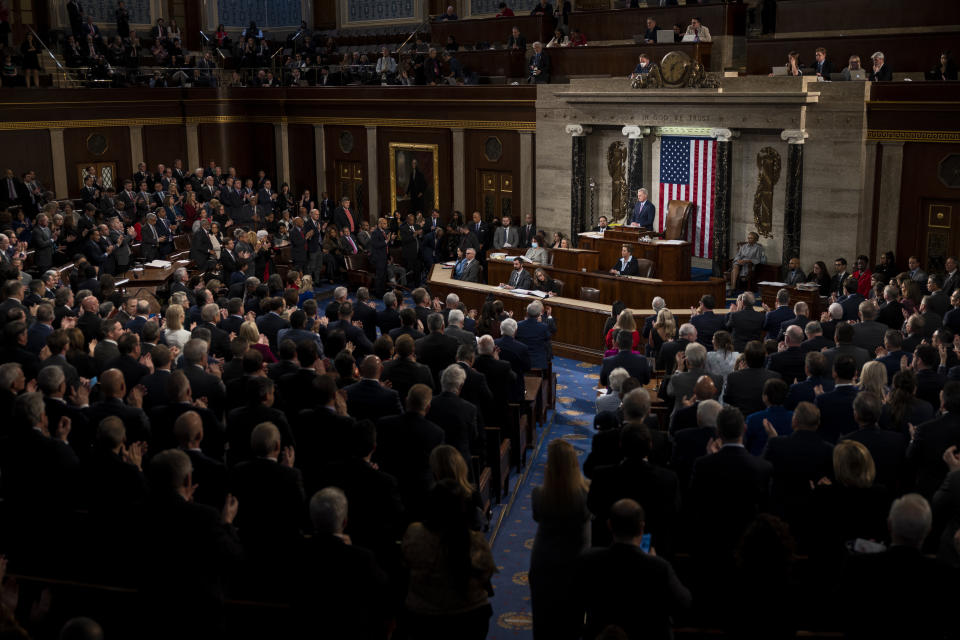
{"x": 768, "y": 166}
{"x": 617, "y": 166}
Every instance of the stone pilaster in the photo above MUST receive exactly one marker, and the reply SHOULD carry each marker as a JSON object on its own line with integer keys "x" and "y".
{"x": 459, "y": 171}
{"x": 721, "y": 200}
{"x": 281, "y": 140}
{"x": 320, "y": 157}
{"x": 136, "y": 150}
{"x": 373, "y": 193}
{"x": 578, "y": 179}
{"x": 526, "y": 175}
{"x": 793, "y": 208}
{"x": 193, "y": 148}
{"x": 61, "y": 185}
{"x": 635, "y": 136}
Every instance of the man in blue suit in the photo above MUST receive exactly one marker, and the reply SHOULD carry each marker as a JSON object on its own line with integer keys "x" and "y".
{"x": 836, "y": 407}
{"x": 851, "y": 301}
{"x": 535, "y": 333}
{"x": 635, "y": 364}
{"x": 644, "y": 212}
{"x": 706, "y": 321}
{"x": 782, "y": 313}
{"x": 511, "y": 350}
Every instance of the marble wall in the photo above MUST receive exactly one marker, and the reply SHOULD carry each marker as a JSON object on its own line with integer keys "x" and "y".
{"x": 520, "y": 7}
{"x": 105, "y": 10}
{"x": 368, "y": 10}
{"x": 835, "y": 207}
{"x": 266, "y": 13}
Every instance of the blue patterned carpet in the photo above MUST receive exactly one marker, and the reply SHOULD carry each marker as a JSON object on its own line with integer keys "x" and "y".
{"x": 573, "y": 421}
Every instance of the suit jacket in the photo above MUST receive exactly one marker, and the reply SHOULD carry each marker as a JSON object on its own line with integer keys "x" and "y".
{"x": 134, "y": 419}
{"x": 728, "y": 489}
{"x": 368, "y": 316}
{"x": 503, "y": 384}
{"x": 869, "y": 335}
{"x": 744, "y": 389}
{"x": 471, "y": 271}
{"x": 608, "y": 586}
{"x": 504, "y": 236}
{"x": 859, "y": 354}
{"x": 630, "y": 268}
{"x": 681, "y": 385}
{"x": 798, "y": 321}
{"x": 43, "y": 245}
{"x": 803, "y": 390}
{"x": 536, "y": 335}
{"x": 133, "y": 371}
{"x": 888, "y": 449}
{"x": 516, "y": 353}
{"x": 104, "y": 353}
{"x": 368, "y": 399}
{"x": 462, "y": 336}
{"x": 798, "y": 459}
{"x": 527, "y": 234}
{"x": 241, "y": 423}
{"x": 851, "y": 305}
{"x": 773, "y": 319}
{"x": 404, "y": 373}
{"x": 836, "y": 412}
{"x": 816, "y": 344}
{"x": 707, "y": 324}
{"x": 387, "y": 320}
{"x": 644, "y": 214}
{"x": 657, "y": 489}
{"x": 270, "y": 324}
{"x": 744, "y": 326}
{"x": 156, "y": 386}
{"x": 37, "y": 336}
{"x": 689, "y": 445}
{"x": 789, "y": 363}
{"x": 343, "y": 222}
{"x": 891, "y": 314}
{"x": 437, "y": 351}
{"x": 520, "y": 279}
{"x": 925, "y": 453}
{"x": 200, "y": 248}
{"x": 458, "y": 419}
{"x": 206, "y": 385}
{"x": 885, "y": 74}
{"x": 404, "y": 443}
{"x": 273, "y": 496}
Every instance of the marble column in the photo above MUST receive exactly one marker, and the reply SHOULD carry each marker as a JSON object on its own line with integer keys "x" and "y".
{"x": 61, "y": 186}
{"x": 793, "y": 209}
{"x": 281, "y": 140}
{"x": 320, "y": 157}
{"x": 193, "y": 148}
{"x": 634, "y": 161}
{"x": 526, "y": 175}
{"x": 136, "y": 150}
{"x": 459, "y": 171}
{"x": 373, "y": 193}
{"x": 722, "y": 215}
{"x": 578, "y": 179}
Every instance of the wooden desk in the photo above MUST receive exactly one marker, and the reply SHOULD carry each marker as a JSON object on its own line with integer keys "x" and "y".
{"x": 624, "y": 24}
{"x": 632, "y": 291}
{"x": 670, "y": 261}
{"x": 768, "y": 295}
{"x": 150, "y": 278}
{"x": 492, "y": 30}
{"x": 574, "y": 259}
{"x": 617, "y": 60}
{"x": 579, "y": 323}
{"x": 809, "y": 16}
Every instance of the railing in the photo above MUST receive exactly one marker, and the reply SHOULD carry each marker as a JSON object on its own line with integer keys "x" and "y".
{"x": 63, "y": 70}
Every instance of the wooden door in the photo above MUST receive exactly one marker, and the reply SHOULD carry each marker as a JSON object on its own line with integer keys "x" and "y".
{"x": 941, "y": 238}
{"x": 350, "y": 184}
{"x": 106, "y": 173}
{"x": 495, "y": 198}
{"x": 190, "y": 20}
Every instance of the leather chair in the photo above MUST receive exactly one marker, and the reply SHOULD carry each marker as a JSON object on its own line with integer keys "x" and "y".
{"x": 644, "y": 268}
{"x": 559, "y": 284}
{"x": 590, "y": 294}
{"x": 678, "y": 219}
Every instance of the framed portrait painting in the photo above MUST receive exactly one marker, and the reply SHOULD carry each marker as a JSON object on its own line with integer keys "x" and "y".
{"x": 414, "y": 179}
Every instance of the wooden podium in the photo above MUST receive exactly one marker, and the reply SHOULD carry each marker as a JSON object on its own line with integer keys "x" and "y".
{"x": 671, "y": 260}
{"x": 576, "y": 259}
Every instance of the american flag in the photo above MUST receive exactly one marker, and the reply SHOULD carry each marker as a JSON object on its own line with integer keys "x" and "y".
{"x": 688, "y": 172}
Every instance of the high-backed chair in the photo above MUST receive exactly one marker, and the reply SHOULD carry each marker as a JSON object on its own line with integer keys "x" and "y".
{"x": 644, "y": 268}
{"x": 678, "y": 218}
{"x": 559, "y": 285}
{"x": 590, "y": 294}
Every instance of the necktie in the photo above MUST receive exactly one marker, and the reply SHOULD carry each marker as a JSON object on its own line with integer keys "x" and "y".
{"x": 353, "y": 246}
{"x": 349, "y": 220}
{"x": 514, "y": 278}
{"x": 696, "y": 37}
{"x": 13, "y": 191}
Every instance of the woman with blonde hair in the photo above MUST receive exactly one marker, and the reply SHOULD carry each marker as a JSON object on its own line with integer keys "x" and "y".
{"x": 446, "y": 463}
{"x": 174, "y": 334}
{"x": 852, "y": 507}
{"x": 625, "y": 322}
{"x": 873, "y": 378}
{"x": 250, "y": 333}
{"x": 563, "y": 532}
{"x": 664, "y": 330}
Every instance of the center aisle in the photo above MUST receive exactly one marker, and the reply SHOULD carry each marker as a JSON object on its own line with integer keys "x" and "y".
{"x": 573, "y": 421}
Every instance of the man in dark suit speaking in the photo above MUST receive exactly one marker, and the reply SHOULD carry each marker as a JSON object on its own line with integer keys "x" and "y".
{"x": 626, "y": 266}
{"x": 644, "y": 212}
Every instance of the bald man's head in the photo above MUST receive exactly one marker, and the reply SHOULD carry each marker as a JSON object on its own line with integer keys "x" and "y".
{"x": 705, "y": 389}
{"x": 188, "y": 430}
{"x": 370, "y": 367}
{"x": 112, "y": 384}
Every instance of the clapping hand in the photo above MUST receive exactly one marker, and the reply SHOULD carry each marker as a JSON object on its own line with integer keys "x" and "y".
{"x": 952, "y": 458}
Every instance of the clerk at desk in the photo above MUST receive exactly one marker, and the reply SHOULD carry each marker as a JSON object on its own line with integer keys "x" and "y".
{"x": 627, "y": 265}
{"x": 644, "y": 212}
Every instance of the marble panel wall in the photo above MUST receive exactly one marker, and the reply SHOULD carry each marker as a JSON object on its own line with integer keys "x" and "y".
{"x": 365, "y": 10}
{"x": 520, "y": 7}
{"x": 105, "y": 11}
{"x": 266, "y": 13}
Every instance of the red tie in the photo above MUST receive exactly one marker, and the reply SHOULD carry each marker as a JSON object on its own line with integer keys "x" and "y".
{"x": 350, "y": 220}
